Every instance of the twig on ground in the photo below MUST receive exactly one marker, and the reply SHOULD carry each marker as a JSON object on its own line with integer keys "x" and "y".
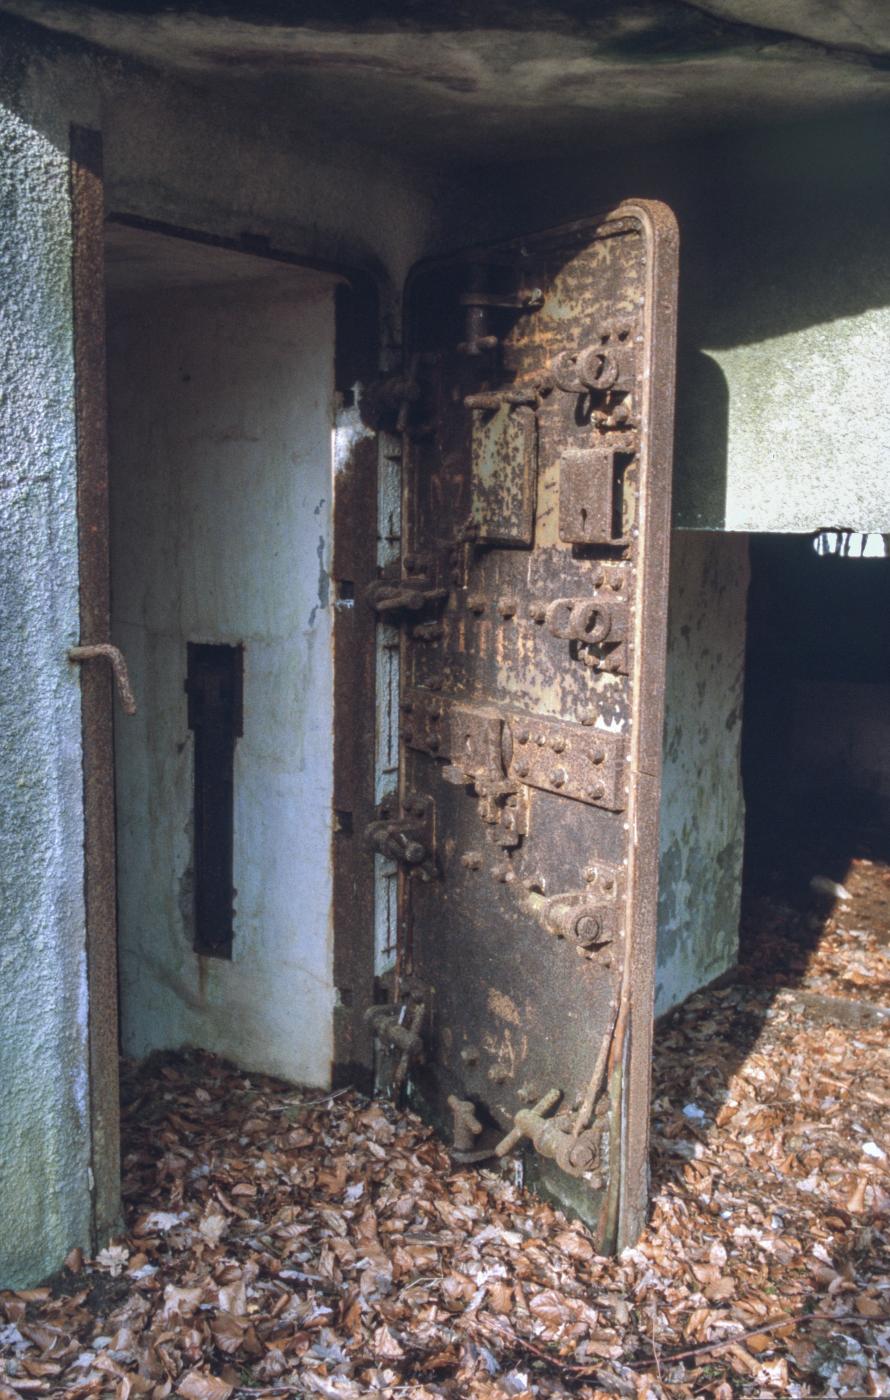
{"x": 655, "y": 1343}
{"x": 768, "y": 1326}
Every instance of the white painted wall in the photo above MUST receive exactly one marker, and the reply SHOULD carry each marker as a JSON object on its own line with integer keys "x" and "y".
{"x": 221, "y": 465}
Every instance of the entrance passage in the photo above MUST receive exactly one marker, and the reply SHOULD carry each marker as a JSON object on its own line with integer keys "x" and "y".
{"x": 816, "y": 746}
{"x": 220, "y": 370}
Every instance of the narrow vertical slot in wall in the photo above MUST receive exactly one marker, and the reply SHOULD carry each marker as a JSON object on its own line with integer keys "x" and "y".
{"x": 214, "y": 685}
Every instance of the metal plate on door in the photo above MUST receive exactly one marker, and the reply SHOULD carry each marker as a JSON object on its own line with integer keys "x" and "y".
{"x": 570, "y": 760}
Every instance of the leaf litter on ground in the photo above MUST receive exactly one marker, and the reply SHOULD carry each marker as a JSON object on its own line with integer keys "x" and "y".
{"x": 283, "y": 1243}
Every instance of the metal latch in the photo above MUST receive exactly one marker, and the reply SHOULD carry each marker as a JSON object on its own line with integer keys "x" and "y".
{"x": 607, "y": 366}
{"x": 395, "y": 1034}
{"x": 408, "y": 839}
{"x": 403, "y": 596}
{"x": 118, "y": 665}
{"x": 577, "y": 1155}
{"x": 588, "y": 922}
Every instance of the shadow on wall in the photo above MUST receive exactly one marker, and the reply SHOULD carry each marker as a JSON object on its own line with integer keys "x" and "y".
{"x": 783, "y": 230}
{"x": 701, "y": 451}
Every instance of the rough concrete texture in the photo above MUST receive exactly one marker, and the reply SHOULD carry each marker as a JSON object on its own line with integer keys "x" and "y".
{"x": 702, "y": 809}
{"x": 479, "y": 80}
{"x": 784, "y": 310}
{"x": 221, "y": 405}
{"x": 45, "y": 1138}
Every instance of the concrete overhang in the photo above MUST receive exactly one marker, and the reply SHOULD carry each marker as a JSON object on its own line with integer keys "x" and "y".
{"x": 479, "y": 81}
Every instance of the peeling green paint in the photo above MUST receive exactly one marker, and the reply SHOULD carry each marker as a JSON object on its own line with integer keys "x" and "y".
{"x": 702, "y": 811}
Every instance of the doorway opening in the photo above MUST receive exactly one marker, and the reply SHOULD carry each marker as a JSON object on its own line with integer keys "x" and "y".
{"x": 221, "y": 392}
{"x": 816, "y": 755}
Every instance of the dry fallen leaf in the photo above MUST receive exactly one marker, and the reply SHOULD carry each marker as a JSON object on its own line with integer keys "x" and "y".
{"x": 198, "y": 1385}
{"x": 327, "y": 1246}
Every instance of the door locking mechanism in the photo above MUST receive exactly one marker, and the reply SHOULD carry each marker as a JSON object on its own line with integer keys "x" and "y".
{"x": 408, "y": 839}
{"x": 399, "y": 1036}
{"x": 609, "y": 366}
{"x": 577, "y": 916}
{"x": 394, "y": 596}
{"x": 577, "y": 1155}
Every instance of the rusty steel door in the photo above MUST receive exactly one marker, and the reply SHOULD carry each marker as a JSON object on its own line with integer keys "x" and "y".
{"x": 536, "y": 413}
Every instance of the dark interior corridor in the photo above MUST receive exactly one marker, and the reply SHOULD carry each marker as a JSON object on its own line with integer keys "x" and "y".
{"x": 816, "y": 736}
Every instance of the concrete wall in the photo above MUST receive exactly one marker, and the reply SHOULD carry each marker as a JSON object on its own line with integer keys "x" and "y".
{"x": 784, "y": 309}
{"x": 45, "y": 1136}
{"x": 164, "y": 159}
{"x": 221, "y": 485}
{"x": 702, "y": 808}
{"x": 782, "y": 426}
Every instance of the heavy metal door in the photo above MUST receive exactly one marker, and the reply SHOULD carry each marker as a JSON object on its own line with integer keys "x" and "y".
{"x": 536, "y": 412}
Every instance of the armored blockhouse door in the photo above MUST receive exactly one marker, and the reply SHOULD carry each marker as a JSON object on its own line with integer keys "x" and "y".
{"x": 537, "y": 421}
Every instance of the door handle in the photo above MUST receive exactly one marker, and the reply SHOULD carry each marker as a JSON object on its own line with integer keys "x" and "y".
{"x": 118, "y": 666}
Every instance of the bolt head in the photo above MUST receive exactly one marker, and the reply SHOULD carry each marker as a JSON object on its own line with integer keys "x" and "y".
{"x": 587, "y": 929}
{"x": 558, "y": 777}
{"x": 583, "y": 1156}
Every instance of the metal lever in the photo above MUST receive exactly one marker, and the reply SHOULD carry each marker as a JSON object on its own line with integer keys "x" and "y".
{"x": 118, "y": 666}
{"x": 515, "y": 1136}
{"x": 388, "y": 1029}
{"x": 575, "y": 1155}
{"x": 466, "y": 1129}
{"x": 386, "y": 596}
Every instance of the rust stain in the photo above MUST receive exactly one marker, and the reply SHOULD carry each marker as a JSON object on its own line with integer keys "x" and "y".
{"x": 500, "y": 1005}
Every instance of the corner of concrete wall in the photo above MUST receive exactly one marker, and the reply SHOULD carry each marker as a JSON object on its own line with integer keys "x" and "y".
{"x": 45, "y": 1192}
{"x": 702, "y": 807}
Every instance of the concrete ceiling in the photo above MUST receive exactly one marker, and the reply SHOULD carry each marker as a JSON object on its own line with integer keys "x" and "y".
{"x": 139, "y": 260}
{"x": 481, "y": 80}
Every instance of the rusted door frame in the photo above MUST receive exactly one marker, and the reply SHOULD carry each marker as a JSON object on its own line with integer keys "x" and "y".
{"x": 633, "y": 1038}
{"x": 100, "y": 894}
{"x": 353, "y": 567}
